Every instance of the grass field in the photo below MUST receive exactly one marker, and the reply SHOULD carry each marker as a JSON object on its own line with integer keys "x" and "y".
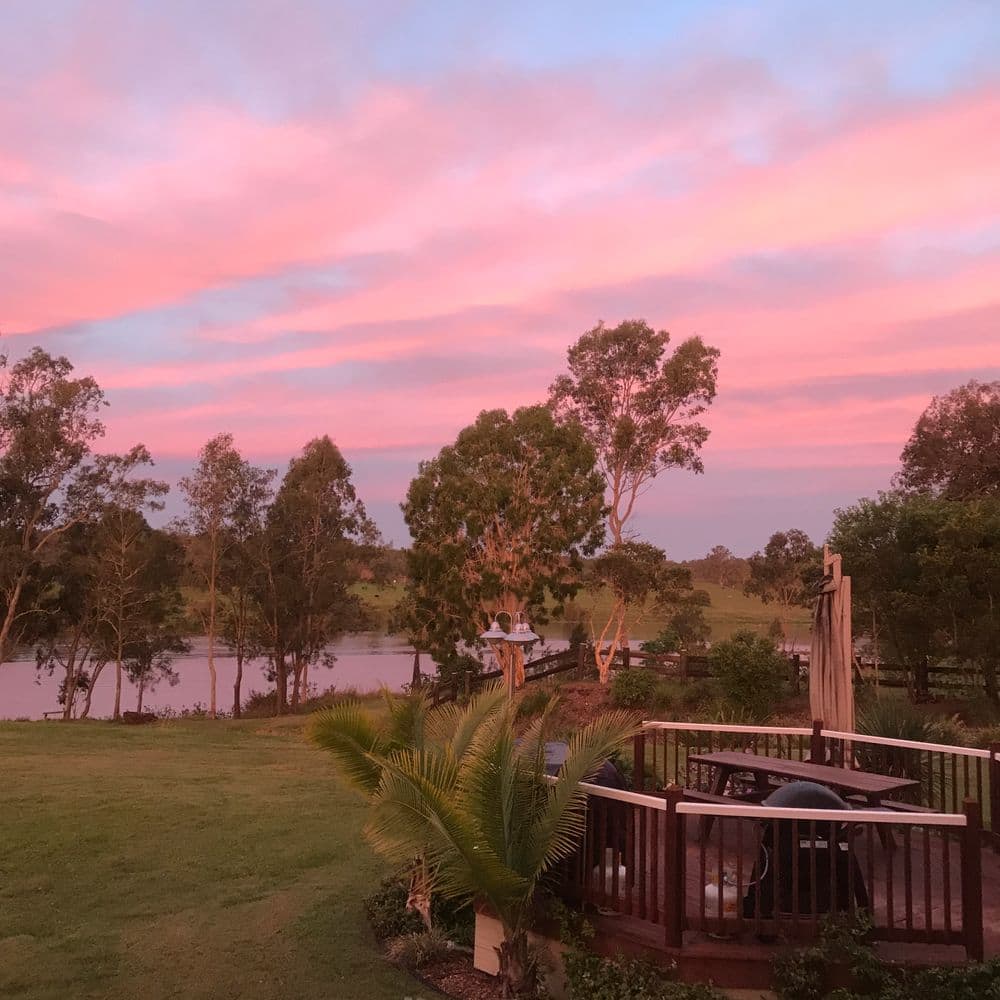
{"x": 186, "y": 859}
{"x": 730, "y": 610}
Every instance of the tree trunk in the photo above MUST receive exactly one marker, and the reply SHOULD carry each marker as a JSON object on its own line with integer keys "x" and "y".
{"x": 518, "y": 970}
{"x": 280, "y": 686}
{"x": 118, "y": 684}
{"x": 90, "y": 690}
{"x": 142, "y": 688}
{"x": 296, "y": 681}
{"x": 237, "y": 683}
{"x": 415, "y": 678}
{"x": 8, "y": 619}
{"x": 211, "y": 628}
{"x": 419, "y": 897}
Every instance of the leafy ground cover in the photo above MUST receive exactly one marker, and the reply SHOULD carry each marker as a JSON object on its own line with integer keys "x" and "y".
{"x": 186, "y": 859}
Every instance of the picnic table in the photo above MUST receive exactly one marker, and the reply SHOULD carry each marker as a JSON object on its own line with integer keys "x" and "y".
{"x": 873, "y": 788}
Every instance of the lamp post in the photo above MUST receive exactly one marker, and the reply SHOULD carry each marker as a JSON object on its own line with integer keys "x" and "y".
{"x": 520, "y": 634}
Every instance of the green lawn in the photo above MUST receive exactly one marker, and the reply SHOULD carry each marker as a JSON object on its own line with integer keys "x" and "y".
{"x": 186, "y": 859}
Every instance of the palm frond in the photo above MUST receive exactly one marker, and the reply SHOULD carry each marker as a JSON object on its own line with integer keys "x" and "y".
{"x": 457, "y": 724}
{"x": 407, "y": 719}
{"x": 558, "y": 827}
{"x": 417, "y": 807}
{"x": 351, "y": 736}
{"x": 489, "y": 780}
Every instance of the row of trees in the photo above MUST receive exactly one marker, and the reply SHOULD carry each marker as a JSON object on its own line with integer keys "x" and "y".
{"x": 89, "y": 583}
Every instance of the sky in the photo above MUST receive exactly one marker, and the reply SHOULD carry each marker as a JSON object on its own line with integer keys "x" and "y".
{"x": 373, "y": 220}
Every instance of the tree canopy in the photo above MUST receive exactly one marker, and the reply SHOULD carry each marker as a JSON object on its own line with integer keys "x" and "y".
{"x": 638, "y": 405}
{"x": 786, "y": 572}
{"x": 954, "y": 451}
{"x": 498, "y": 519}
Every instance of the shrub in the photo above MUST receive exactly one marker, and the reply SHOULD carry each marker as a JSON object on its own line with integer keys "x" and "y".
{"x": 389, "y": 918}
{"x": 589, "y": 976}
{"x": 667, "y": 641}
{"x": 665, "y": 698}
{"x": 387, "y": 913}
{"x": 751, "y": 672}
{"x": 991, "y": 734}
{"x": 533, "y": 701}
{"x": 633, "y": 688}
{"x": 414, "y": 951}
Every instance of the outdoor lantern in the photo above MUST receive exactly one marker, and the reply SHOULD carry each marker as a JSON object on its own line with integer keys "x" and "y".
{"x": 494, "y": 632}
{"x": 522, "y": 633}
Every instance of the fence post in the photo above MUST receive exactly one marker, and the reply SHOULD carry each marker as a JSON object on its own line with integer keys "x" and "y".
{"x": 817, "y": 744}
{"x": 796, "y": 666}
{"x": 581, "y": 659}
{"x": 673, "y": 869}
{"x": 639, "y": 762}
{"x": 682, "y": 664}
{"x": 467, "y": 683}
{"x": 625, "y": 657}
{"x": 993, "y": 784}
{"x": 972, "y": 881}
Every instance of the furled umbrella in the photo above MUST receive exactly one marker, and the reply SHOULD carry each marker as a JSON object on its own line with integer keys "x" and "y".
{"x": 831, "y": 693}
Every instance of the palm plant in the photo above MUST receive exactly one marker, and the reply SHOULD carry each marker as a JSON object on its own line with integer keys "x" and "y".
{"x": 360, "y": 743}
{"x": 476, "y": 802}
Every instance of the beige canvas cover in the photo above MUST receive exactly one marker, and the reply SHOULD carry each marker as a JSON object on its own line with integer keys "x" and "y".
{"x": 831, "y": 692}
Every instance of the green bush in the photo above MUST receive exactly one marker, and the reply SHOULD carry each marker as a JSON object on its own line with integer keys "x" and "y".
{"x": 389, "y": 918}
{"x": 807, "y": 973}
{"x": 667, "y": 641}
{"x": 633, "y": 688}
{"x": 387, "y": 913}
{"x": 414, "y": 951}
{"x": 665, "y": 698}
{"x": 591, "y": 977}
{"x": 897, "y": 719}
{"x": 533, "y": 701}
{"x": 751, "y": 673}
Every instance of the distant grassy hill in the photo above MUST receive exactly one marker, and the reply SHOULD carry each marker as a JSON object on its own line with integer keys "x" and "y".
{"x": 730, "y": 611}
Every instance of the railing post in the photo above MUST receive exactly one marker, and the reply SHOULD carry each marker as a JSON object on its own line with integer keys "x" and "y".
{"x": 817, "y": 743}
{"x": 972, "y": 881}
{"x": 993, "y": 783}
{"x": 673, "y": 869}
{"x": 639, "y": 762}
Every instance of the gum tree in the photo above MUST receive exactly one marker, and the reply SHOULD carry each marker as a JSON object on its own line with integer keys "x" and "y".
{"x": 639, "y": 405}
{"x": 498, "y": 519}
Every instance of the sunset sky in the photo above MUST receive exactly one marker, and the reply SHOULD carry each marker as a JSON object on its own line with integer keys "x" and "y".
{"x": 375, "y": 219}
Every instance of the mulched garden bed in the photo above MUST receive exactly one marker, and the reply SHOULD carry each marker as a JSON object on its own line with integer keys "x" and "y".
{"x": 456, "y": 977}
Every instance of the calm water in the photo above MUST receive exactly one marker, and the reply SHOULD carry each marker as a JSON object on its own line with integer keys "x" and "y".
{"x": 365, "y": 660}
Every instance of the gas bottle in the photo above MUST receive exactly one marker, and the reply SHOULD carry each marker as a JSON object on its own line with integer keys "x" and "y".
{"x": 608, "y": 870}
{"x": 730, "y": 898}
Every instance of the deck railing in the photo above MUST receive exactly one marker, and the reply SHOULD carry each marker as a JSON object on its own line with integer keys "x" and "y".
{"x": 947, "y": 775}
{"x": 776, "y": 873}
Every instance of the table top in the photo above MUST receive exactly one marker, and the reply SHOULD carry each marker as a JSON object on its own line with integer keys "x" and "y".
{"x": 863, "y": 782}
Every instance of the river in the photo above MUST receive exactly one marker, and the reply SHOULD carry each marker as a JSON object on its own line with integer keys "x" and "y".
{"x": 365, "y": 661}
